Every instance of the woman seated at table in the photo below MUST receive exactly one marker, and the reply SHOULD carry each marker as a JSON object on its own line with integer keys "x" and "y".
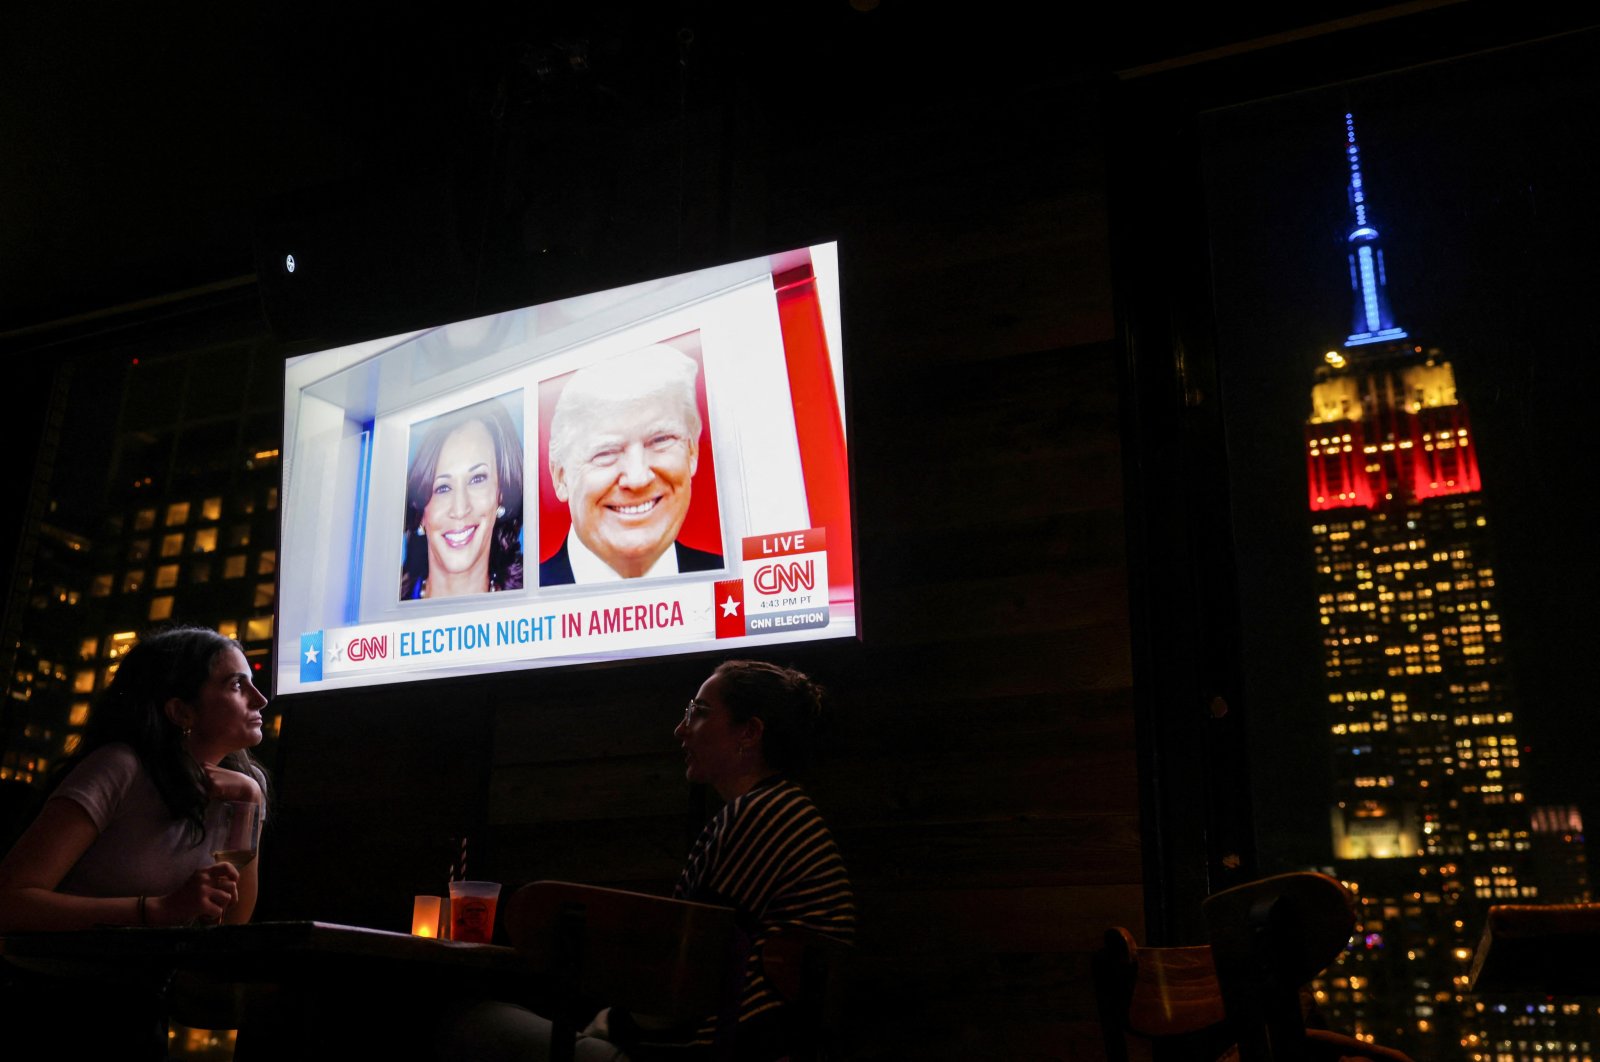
{"x": 766, "y": 853}
{"x": 124, "y": 837}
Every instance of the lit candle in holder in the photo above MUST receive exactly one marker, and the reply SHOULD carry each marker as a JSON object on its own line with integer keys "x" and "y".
{"x": 425, "y": 916}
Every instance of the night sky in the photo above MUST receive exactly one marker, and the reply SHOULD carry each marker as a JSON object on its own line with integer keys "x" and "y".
{"x": 1481, "y": 177}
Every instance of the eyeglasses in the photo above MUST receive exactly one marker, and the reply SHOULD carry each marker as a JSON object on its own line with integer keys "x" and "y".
{"x": 688, "y": 713}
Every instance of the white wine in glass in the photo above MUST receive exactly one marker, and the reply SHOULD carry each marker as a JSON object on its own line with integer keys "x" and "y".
{"x": 241, "y": 833}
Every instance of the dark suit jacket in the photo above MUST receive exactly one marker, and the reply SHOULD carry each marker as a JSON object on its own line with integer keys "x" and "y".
{"x": 557, "y": 571}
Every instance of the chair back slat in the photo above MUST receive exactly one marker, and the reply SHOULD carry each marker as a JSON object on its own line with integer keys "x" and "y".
{"x": 658, "y": 956}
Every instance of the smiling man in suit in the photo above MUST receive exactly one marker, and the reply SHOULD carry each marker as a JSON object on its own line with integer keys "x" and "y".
{"x": 624, "y": 446}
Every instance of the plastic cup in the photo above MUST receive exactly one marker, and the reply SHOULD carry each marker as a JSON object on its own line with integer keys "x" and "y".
{"x": 472, "y": 905}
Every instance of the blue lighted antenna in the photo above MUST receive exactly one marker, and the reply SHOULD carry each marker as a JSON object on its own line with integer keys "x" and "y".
{"x": 1372, "y": 321}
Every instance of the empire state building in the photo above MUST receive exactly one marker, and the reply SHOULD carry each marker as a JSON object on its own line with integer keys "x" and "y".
{"x": 1429, "y": 818}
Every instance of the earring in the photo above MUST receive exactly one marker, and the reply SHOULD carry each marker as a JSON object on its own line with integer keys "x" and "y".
{"x": 500, "y": 513}
{"x": 188, "y": 730}
{"x": 420, "y": 532}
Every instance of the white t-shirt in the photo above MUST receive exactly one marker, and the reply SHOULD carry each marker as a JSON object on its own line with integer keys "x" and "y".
{"x": 142, "y": 849}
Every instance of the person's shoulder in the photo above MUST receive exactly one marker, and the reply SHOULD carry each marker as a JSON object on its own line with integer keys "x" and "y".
{"x": 100, "y": 780}
{"x": 779, "y": 796}
{"x": 557, "y": 570}
{"x": 696, "y": 560}
{"x": 114, "y": 759}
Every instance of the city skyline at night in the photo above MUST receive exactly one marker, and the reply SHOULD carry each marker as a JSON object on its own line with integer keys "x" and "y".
{"x": 1431, "y": 784}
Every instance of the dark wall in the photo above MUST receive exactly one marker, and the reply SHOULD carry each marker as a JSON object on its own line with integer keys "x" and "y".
{"x": 983, "y": 781}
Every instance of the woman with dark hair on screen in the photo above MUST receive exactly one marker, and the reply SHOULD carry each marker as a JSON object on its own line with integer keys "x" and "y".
{"x": 124, "y": 836}
{"x": 766, "y": 853}
{"x": 464, "y": 506}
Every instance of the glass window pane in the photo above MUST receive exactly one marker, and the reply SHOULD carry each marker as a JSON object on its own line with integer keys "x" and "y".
{"x": 172, "y": 545}
{"x": 177, "y": 514}
{"x": 258, "y": 629}
{"x": 166, "y": 577}
{"x": 238, "y": 535}
{"x": 263, "y": 595}
{"x": 200, "y": 571}
{"x": 121, "y": 642}
{"x": 1403, "y": 316}
{"x": 233, "y": 567}
{"x": 267, "y": 562}
{"x": 144, "y": 519}
{"x": 139, "y": 549}
{"x": 228, "y": 628}
{"x": 211, "y": 509}
{"x": 205, "y": 540}
{"x": 161, "y": 607}
{"x": 102, "y": 585}
{"x": 88, "y": 648}
{"x": 132, "y": 581}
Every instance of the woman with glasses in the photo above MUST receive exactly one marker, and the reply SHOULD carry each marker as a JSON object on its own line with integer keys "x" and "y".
{"x": 766, "y": 853}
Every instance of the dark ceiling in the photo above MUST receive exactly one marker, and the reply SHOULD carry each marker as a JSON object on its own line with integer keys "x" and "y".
{"x": 141, "y": 146}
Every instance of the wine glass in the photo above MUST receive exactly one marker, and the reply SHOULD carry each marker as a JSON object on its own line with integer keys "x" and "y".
{"x": 240, "y": 834}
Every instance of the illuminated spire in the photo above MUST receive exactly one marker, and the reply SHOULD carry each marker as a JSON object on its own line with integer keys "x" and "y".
{"x": 1372, "y": 321}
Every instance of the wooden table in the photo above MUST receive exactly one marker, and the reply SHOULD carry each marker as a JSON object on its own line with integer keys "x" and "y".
{"x": 293, "y": 989}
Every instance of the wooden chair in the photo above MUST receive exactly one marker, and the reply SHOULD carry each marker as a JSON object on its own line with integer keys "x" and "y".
{"x": 1167, "y": 997}
{"x": 670, "y": 959}
{"x": 1238, "y": 997}
{"x": 808, "y": 970}
{"x": 1268, "y": 938}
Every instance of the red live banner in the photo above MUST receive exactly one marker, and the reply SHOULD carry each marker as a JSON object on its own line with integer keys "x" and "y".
{"x": 811, "y": 540}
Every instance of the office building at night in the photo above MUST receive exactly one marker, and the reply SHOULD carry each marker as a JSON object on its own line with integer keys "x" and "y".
{"x": 1430, "y": 819}
{"x": 185, "y": 531}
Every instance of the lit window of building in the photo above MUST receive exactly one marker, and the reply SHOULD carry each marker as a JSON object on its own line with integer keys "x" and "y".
{"x": 177, "y": 514}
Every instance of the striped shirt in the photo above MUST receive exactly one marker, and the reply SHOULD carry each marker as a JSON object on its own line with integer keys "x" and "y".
{"x": 769, "y": 856}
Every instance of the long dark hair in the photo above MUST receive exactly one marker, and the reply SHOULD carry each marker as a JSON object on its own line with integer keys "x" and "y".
{"x": 505, "y": 546}
{"x": 174, "y": 662}
{"x": 786, "y": 701}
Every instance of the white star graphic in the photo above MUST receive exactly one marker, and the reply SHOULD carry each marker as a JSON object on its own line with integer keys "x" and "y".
{"x": 730, "y": 607}
{"x": 311, "y": 654}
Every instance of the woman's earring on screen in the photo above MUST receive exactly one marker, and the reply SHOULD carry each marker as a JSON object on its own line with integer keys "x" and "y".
{"x": 500, "y": 513}
{"x": 420, "y": 532}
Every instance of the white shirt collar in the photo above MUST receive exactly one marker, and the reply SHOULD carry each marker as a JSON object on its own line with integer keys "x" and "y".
{"x": 588, "y": 568}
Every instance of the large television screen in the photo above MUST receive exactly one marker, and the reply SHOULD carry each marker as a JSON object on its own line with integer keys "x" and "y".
{"x": 659, "y": 468}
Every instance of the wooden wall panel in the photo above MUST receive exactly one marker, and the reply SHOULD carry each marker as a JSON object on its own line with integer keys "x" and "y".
{"x": 982, "y": 778}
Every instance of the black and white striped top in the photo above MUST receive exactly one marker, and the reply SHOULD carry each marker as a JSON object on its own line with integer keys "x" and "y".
{"x": 769, "y": 855}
